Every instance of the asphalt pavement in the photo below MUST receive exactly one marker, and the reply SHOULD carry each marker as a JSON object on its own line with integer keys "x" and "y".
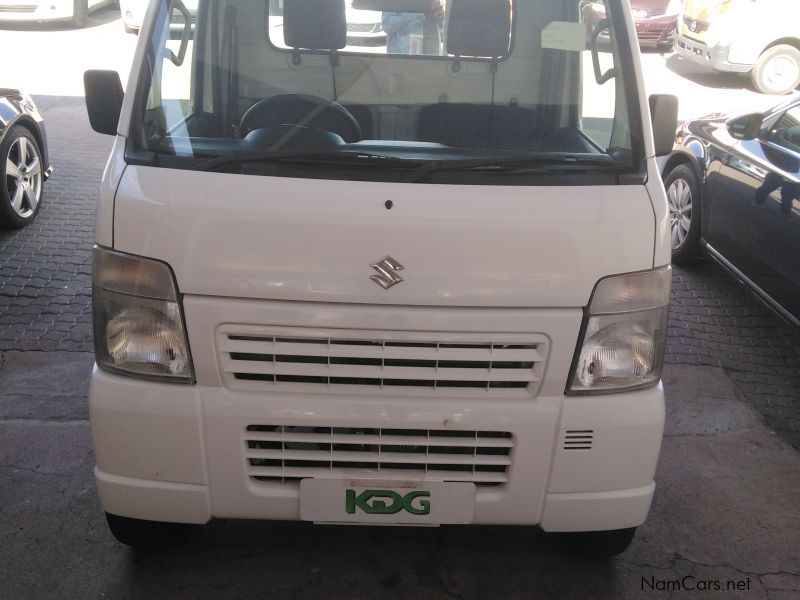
{"x": 725, "y": 515}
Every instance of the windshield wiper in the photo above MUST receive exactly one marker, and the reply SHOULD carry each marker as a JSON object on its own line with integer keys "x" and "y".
{"x": 550, "y": 162}
{"x": 529, "y": 163}
{"x": 347, "y": 158}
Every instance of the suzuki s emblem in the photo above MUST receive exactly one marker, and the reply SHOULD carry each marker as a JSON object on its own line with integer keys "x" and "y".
{"x": 387, "y": 269}
{"x": 693, "y": 26}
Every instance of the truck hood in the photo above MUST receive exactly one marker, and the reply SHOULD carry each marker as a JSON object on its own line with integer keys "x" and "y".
{"x": 298, "y": 239}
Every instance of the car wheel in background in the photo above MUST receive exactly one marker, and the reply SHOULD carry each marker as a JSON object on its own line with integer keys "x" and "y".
{"x": 777, "y": 70}
{"x": 683, "y": 199}
{"x": 80, "y": 13}
{"x": 21, "y": 178}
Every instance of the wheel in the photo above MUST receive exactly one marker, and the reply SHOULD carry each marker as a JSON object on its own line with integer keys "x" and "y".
{"x": 80, "y": 13}
{"x": 144, "y": 535}
{"x": 599, "y": 544}
{"x": 777, "y": 70}
{"x": 683, "y": 199}
{"x": 21, "y": 178}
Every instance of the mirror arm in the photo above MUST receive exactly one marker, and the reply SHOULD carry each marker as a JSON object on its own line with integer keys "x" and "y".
{"x": 599, "y": 76}
{"x": 187, "y": 32}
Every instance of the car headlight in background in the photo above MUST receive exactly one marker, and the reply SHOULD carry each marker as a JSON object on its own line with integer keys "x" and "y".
{"x": 138, "y": 319}
{"x": 624, "y": 334}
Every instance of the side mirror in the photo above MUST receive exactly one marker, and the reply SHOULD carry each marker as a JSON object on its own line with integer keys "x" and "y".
{"x": 746, "y": 127}
{"x": 103, "y": 100}
{"x": 664, "y": 113}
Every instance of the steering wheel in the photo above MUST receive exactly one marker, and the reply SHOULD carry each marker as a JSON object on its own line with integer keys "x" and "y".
{"x": 304, "y": 110}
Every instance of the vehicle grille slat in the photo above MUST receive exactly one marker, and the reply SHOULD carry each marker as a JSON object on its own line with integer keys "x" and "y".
{"x": 295, "y": 473}
{"x": 384, "y": 456}
{"x": 24, "y": 8}
{"x": 406, "y": 440}
{"x": 355, "y": 371}
{"x": 373, "y": 350}
{"x": 288, "y": 453}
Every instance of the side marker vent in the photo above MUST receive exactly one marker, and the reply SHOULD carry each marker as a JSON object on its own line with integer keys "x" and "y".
{"x": 578, "y": 439}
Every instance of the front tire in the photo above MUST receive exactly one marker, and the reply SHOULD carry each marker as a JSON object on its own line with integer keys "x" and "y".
{"x": 145, "y": 535}
{"x": 683, "y": 199}
{"x": 80, "y": 14}
{"x": 21, "y": 178}
{"x": 600, "y": 544}
{"x": 777, "y": 71}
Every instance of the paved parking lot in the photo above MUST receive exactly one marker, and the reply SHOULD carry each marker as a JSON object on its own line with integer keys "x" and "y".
{"x": 729, "y": 479}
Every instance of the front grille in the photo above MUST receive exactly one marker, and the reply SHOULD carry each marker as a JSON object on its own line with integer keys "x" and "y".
{"x": 282, "y": 358}
{"x": 363, "y": 27}
{"x": 288, "y": 454}
{"x": 651, "y": 35}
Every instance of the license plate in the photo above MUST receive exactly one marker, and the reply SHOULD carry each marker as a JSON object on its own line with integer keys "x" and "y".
{"x": 387, "y": 502}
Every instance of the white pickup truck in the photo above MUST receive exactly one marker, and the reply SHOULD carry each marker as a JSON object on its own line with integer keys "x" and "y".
{"x": 347, "y": 285}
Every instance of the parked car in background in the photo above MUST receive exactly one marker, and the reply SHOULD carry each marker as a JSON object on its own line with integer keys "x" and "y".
{"x": 761, "y": 39}
{"x": 24, "y": 162}
{"x": 655, "y": 20}
{"x": 364, "y": 27}
{"x": 132, "y": 13}
{"x": 733, "y": 187}
{"x": 75, "y": 12}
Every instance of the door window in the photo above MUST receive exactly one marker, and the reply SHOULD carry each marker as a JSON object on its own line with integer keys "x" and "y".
{"x": 786, "y": 131}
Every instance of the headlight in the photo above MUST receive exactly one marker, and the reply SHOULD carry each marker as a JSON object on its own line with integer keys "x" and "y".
{"x": 138, "y": 321}
{"x": 624, "y": 334}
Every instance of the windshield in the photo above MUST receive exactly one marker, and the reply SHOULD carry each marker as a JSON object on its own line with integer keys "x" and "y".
{"x": 380, "y": 89}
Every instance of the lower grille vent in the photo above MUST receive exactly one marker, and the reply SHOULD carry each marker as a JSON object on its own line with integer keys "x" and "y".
{"x": 287, "y": 454}
{"x": 578, "y": 439}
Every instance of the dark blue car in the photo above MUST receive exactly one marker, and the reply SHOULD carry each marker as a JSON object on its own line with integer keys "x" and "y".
{"x": 733, "y": 188}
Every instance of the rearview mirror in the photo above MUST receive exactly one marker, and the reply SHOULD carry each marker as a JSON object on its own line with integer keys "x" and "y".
{"x": 664, "y": 114}
{"x": 103, "y": 100}
{"x": 746, "y": 127}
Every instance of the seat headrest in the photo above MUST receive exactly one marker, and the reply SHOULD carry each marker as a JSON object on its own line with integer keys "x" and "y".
{"x": 315, "y": 24}
{"x": 479, "y": 28}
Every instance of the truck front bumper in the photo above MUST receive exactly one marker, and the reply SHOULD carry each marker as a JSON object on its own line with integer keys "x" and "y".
{"x": 714, "y": 57}
{"x": 168, "y": 452}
